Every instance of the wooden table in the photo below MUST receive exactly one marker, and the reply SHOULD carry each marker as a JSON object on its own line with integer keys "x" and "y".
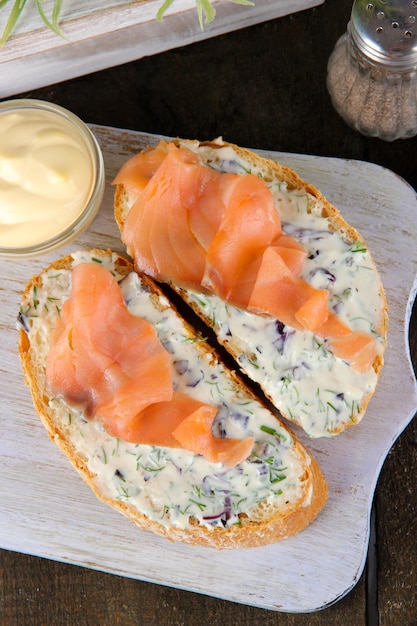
{"x": 264, "y": 87}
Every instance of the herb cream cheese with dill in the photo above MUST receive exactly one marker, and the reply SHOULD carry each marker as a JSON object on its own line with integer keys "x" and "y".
{"x": 171, "y": 485}
{"x": 296, "y": 369}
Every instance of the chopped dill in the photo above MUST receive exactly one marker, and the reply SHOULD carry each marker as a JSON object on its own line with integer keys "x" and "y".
{"x": 358, "y": 246}
{"x": 124, "y": 493}
{"x": 200, "y": 505}
{"x": 272, "y": 431}
{"x": 196, "y": 339}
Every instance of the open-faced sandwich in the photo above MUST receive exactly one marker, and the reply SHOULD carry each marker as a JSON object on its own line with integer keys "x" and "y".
{"x": 157, "y": 426}
{"x": 288, "y": 286}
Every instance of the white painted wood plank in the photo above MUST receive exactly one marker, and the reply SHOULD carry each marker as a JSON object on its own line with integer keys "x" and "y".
{"x": 46, "y": 510}
{"x": 122, "y": 31}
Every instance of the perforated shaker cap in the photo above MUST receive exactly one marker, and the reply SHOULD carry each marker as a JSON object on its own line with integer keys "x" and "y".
{"x": 386, "y": 31}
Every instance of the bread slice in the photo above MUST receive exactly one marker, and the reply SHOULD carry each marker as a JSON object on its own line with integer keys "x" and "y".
{"x": 272, "y": 495}
{"x": 296, "y": 370}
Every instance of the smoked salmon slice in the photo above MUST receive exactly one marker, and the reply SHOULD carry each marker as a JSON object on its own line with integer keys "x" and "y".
{"x": 157, "y": 231}
{"x": 220, "y": 233}
{"x": 112, "y": 365}
{"x": 249, "y": 225}
{"x": 100, "y": 353}
{"x": 292, "y": 252}
{"x": 334, "y": 327}
{"x": 358, "y": 348}
{"x": 155, "y": 425}
{"x": 286, "y": 241}
{"x": 207, "y": 213}
{"x": 278, "y": 291}
{"x": 137, "y": 171}
{"x": 195, "y": 432}
{"x": 313, "y": 313}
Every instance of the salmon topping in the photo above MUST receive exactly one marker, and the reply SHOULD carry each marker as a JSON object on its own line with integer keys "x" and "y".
{"x": 195, "y": 432}
{"x": 136, "y": 172}
{"x": 220, "y": 233}
{"x": 112, "y": 365}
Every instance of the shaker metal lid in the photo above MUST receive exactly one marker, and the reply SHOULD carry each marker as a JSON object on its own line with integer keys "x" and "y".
{"x": 386, "y": 31}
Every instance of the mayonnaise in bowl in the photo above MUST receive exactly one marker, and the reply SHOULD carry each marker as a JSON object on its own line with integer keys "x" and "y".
{"x": 51, "y": 177}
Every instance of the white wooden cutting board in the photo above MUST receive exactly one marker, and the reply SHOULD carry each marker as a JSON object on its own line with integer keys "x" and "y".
{"x": 46, "y": 510}
{"x": 101, "y": 34}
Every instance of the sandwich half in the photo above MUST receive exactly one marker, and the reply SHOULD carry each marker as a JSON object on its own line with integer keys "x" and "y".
{"x": 150, "y": 416}
{"x": 289, "y": 287}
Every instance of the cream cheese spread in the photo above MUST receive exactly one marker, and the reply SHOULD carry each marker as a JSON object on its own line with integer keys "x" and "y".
{"x": 170, "y": 485}
{"x": 297, "y": 369}
{"x": 46, "y": 176}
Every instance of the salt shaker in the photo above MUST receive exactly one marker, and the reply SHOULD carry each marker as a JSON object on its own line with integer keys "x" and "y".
{"x": 372, "y": 71}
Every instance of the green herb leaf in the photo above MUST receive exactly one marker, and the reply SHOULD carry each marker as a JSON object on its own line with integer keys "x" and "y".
{"x": 269, "y": 430}
{"x": 358, "y": 246}
{"x": 272, "y": 431}
{"x": 13, "y": 18}
{"x": 16, "y": 11}
{"x": 205, "y": 11}
{"x": 163, "y": 9}
{"x": 53, "y": 23}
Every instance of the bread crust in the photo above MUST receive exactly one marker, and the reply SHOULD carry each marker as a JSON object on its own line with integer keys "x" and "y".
{"x": 282, "y": 523}
{"x": 273, "y": 170}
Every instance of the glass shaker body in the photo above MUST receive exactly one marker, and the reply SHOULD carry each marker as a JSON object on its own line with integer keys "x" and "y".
{"x": 373, "y": 98}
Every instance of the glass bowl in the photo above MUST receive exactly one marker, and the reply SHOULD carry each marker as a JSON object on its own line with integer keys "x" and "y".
{"x": 51, "y": 177}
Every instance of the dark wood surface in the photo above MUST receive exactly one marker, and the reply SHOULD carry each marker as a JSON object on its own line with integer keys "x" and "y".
{"x": 263, "y": 87}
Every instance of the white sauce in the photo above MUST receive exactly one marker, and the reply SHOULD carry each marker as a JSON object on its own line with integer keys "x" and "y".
{"x": 46, "y": 176}
{"x": 170, "y": 485}
{"x": 296, "y": 369}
